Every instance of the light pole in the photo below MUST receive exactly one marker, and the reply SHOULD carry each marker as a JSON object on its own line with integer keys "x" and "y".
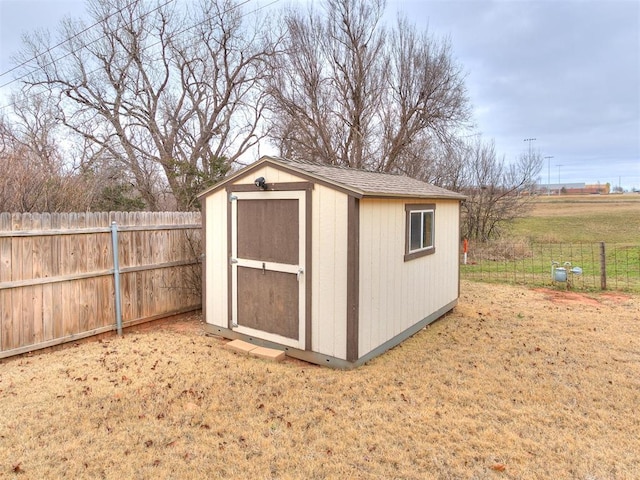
{"x": 559, "y": 165}
{"x": 529, "y": 140}
{"x": 548, "y": 174}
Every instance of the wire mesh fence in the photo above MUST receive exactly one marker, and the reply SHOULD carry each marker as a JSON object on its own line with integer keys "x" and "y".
{"x": 604, "y": 266}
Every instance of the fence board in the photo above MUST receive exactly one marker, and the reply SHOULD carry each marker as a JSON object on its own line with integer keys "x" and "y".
{"x": 47, "y": 313}
{"x": 41, "y": 267}
{"x": 16, "y": 274}
{"x": 56, "y": 274}
{"x": 6, "y": 309}
{"x": 28, "y": 294}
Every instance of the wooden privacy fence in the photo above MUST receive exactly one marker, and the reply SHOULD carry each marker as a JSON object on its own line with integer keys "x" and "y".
{"x": 58, "y": 273}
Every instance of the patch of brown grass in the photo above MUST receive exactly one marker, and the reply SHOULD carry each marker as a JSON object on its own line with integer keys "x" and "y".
{"x": 503, "y": 249}
{"x": 514, "y": 383}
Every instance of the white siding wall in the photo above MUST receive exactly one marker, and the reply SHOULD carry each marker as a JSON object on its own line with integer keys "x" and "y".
{"x": 271, "y": 175}
{"x": 394, "y": 294}
{"x": 329, "y": 297}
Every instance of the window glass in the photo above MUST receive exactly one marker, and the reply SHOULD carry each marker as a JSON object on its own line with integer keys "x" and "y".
{"x": 421, "y": 230}
{"x": 427, "y": 222}
{"x": 416, "y": 227}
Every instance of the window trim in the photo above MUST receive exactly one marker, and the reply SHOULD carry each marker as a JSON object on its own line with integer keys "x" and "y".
{"x": 414, "y": 208}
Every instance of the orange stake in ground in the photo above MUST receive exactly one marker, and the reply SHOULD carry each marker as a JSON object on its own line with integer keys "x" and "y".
{"x": 465, "y": 249}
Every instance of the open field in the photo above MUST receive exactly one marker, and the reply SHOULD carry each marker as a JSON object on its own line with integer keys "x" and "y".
{"x": 582, "y": 218}
{"x": 515, "y": 383}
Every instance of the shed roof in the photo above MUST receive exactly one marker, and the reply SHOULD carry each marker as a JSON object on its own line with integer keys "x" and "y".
{"x": 360, "y": 183}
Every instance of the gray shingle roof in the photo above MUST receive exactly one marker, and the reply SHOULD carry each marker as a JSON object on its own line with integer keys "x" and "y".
{"x": 360, "y": 183}
{"x": 370, "y": 184}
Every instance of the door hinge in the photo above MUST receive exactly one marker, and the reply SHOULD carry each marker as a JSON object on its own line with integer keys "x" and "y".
{"x": 233, "y": 261}
{"x": 232, "y": 198}
{"x": 300, "y": 272}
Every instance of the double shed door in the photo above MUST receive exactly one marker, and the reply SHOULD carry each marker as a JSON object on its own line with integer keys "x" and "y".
{"x": 268, "y": 248}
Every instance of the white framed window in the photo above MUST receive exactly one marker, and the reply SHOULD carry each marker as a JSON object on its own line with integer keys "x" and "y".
{"x": 420, "y": 230}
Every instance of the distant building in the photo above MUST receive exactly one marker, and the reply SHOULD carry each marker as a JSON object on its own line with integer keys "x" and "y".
{"x": 572, "y": 189}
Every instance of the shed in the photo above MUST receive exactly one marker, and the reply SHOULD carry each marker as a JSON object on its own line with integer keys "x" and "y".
{"x": 331, "y": 264}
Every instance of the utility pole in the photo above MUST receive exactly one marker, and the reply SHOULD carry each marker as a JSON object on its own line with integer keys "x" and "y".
{"x": 549, "y": 174}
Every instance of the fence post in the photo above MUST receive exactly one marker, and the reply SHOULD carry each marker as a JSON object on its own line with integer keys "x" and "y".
{"x": 116, "y": 275}
{"x": 603, "y": 267}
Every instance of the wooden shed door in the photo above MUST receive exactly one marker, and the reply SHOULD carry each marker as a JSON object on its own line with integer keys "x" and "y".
{"x": 268, "y": 265}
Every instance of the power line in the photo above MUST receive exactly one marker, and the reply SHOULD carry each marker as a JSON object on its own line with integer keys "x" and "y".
{"x": 104, "y": 36}
{"x": 50, "y": 49}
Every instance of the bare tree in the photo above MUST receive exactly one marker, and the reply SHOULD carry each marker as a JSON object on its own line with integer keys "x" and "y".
{"x": 34, "y": 177}
{"x": 46, "y": 169}
{"x": 440, "y": 163}
{"x": 169, "y": 92}
{"x": 346, "y": 91}
{"x": 427, "y": 101}
{"x": 497, "y": 192}
{"x": 323, "y": 84}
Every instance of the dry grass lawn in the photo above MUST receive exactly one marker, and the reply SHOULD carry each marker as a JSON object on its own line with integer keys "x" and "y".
{"x": 513, "y": 384}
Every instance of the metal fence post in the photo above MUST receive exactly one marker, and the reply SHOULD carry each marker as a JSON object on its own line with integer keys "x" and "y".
{"x": 603, "y": 267}
{"x": 116, "y": 275}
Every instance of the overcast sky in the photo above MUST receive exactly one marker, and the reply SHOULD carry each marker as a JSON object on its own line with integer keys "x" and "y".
{"x": 565, "y": 72}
